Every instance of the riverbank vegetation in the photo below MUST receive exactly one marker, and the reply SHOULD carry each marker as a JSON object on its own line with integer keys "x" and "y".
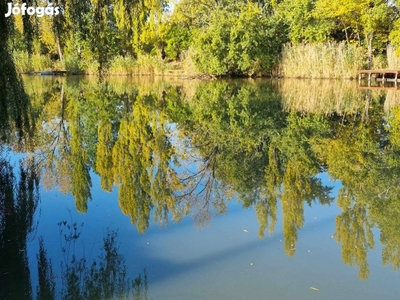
{"x": 297, "y": 38}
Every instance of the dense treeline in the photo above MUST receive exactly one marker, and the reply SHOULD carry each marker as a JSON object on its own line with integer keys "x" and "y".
{"x": 222, "y": 37}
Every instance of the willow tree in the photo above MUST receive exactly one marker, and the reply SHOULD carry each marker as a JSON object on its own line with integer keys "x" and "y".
{"x": 14, "y": 103}
{"x": 139, "y": 22}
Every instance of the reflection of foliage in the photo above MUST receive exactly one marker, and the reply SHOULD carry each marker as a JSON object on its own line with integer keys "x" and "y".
{"x": 46, "y": 288}
{"x": 388, "y": 216}
{"x": 104, "y": 278}
{"x": 228, "y": 126}
{"x": 258, "y": 151}
{"x": 18, "y": 203}
{"x": 233, "y": 139}
{"x": 133, "y": 150}
{"x": 354, "y": 231}
{"x": 140, "y": 287}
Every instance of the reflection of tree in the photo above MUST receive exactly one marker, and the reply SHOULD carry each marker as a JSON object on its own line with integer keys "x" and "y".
{"x": 203, "y": 190}
{"x": 228, "y": 125}
{"x": 233, "y": 140}
{"x": 105, "y": 278}
{"x": 142, "y": 164}
{"x": 249, "y": 145}
{"x": 46, "y": 289}
{"x": 80, "y": 179}
{"x": 132, "y": 160}
{"x": 365, "y": 159}
{"x": 387, "y": 216}
{"x": 107, "y": 117}
{"x": 123, "y": 137}
{"x": 18, "y": 204}
{"x": 299, "y": 166}
{"x": 104, "y": 155}
{"x": 54, "y": 139}
{"x": 354, "y": 231}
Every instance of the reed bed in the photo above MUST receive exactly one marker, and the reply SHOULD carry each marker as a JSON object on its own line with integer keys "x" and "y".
{"x": 321, "y": 96}
{"x": 392, "y": 58}
{"x": 392, "y": 100}
{"x": 330, "y": 60}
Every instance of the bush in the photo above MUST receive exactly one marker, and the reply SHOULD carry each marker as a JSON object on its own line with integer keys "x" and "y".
{"x": 35, "y": 63}
{"x": 240, "y": 40}
{"x": 22, "y": 63}
{"x": 41, "y": 62}
{"x": 72, "y": 64}
{"x": 122, "y": 65}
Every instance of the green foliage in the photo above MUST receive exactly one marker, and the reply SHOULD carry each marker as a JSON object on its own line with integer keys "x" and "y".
{"x": 239, "y": 39}
{"x": 393, "y": 58}
{"x": 216, "y": 38}
{"x": 177, "y": 38}
{"x": 304, "y": 25}
{"x": 395, "y": 36}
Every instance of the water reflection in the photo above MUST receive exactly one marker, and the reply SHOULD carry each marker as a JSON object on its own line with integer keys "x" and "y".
{"x": 18, "y": 203}
{"x": 103, "y": 278}
{"x": 175, "y": 149}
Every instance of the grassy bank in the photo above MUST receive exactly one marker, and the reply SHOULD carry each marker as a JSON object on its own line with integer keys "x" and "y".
{"x": 314, "y": 61}
{"x": 119, "y": 65}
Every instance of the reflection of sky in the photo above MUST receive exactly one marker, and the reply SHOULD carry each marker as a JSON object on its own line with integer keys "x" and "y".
{"x": 225, "y": 260}
{"x": 221, "y": 261}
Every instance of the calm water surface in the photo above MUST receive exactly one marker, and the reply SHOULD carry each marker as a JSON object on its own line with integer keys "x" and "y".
{"x": 165, "y": 189}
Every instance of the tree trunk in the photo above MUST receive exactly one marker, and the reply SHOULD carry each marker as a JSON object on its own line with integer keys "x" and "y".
{"x": 369, "y": 41}
{"x": 59, "y": 44}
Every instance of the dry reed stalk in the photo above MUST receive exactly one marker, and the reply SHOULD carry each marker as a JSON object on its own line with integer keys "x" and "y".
{"x": 392, "y": 100}
{"x": 393, "y": 59}
{"x": 331, "y": 60}
{"x": 321, "y": 96}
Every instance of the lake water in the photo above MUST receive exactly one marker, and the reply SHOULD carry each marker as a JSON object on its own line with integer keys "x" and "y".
{"x": 154, "y": 188}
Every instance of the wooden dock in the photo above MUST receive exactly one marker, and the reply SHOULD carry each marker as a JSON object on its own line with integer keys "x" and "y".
{"x": 383, "y": 75}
